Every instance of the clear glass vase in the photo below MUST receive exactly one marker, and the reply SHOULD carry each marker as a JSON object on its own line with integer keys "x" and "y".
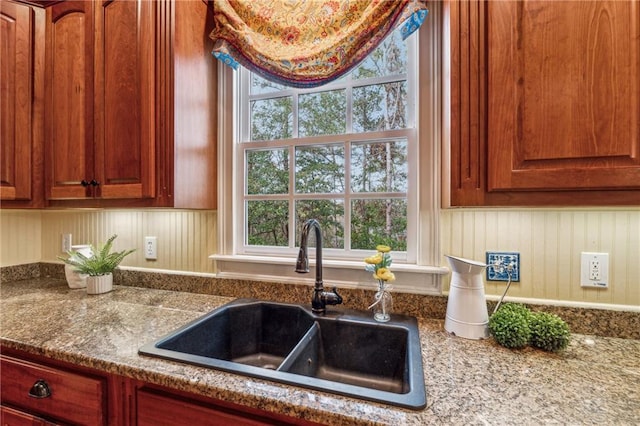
{"x": 382, "y": 303}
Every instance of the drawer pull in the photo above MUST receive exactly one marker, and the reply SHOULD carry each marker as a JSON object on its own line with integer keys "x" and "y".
{"x": 40, "y": 389}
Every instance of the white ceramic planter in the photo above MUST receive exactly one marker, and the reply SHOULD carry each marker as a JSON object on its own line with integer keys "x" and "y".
{"x": 99, "y": 284}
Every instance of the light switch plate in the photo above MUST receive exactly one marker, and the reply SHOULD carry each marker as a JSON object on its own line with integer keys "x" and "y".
{"x": 151, "y": 248}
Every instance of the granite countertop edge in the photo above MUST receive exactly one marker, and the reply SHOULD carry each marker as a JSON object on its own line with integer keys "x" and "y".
{"x": 467, "y": 381}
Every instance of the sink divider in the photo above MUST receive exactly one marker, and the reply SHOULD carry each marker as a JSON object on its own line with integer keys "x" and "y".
{"x": 302, "y": 347}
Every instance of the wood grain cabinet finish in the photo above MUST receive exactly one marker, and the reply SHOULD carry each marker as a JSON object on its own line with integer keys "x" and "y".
{"x": 20, "y": 105}
{"x": 69, "y": 397}
{"x": 12, "y": 417}
{"x": 131, "y": 97}
{"x": 99, "y": 99}
{"x": 164, "y": 409}
{"x": 545, "y": 102}
{"x": 84, "y": 396}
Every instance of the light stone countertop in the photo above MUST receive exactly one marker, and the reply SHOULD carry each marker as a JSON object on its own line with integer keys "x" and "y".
{"x": 596, "y": 380}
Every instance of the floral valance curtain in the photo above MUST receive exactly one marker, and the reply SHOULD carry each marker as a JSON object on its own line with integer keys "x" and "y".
{"x": 307, "y": 43}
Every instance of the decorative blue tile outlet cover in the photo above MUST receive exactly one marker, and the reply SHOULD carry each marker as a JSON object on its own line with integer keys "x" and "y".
{"x": 497, "y": 262}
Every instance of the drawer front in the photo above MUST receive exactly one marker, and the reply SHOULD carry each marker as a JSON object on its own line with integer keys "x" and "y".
{"x": 11, "y": 417}
{"x": 73, "y": 398}
{"x": 160, "y": 410}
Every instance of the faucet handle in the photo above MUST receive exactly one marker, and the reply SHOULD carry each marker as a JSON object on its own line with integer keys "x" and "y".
{"x": 333, "y": 298}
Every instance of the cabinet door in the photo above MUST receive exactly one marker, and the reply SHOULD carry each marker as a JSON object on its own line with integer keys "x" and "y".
{"x": 124, "y": 89}
{"x": 564, "y": 95}
{"x": 161, "y": 408}
{"x": 544, "y": 102}
{"x": 16, "y": 22}
{"x": 69, "y": 100}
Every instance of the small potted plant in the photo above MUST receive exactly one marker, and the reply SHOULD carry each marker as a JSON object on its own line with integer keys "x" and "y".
{"x": 99, "y": 266}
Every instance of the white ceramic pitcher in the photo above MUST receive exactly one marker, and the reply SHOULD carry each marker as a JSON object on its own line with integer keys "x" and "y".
{"x": 467, "y": 314}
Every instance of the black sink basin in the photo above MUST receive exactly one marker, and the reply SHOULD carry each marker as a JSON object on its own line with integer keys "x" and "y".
{"x": 258, "y": 334}
{"x": 344, "y": 352}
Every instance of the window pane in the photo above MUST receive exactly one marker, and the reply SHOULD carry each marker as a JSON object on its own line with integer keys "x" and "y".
{"x": 267, "y": 223}
{"x": 261, "y": 86}
{"x": 380, "y": 107}
{"x": 271, "y": 119}
{"x": 322, "y": 113}
{"x": 330, "y": 214}
{"x": 320, "y": 169}
{"x": 379, "y": 166}
{"x": 267, "y": 171}
{"x": 376, "y": 222}
{"x": 390, "y": 58}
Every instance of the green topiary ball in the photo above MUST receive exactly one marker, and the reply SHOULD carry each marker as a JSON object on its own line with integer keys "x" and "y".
{"x": 548, "y": 331}
{"x": 518, "y": 308}
{"x": 510, "y": 325}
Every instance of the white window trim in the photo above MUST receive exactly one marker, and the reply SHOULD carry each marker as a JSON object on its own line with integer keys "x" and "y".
{"x": 424, "y": 277}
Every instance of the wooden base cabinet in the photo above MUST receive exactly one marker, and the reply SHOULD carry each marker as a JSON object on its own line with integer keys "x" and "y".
{"x": 49, "y": 392}
{"x": 544, "y": 102}
{"x": 41, "y": 391}
{"x": 156, "y": 407}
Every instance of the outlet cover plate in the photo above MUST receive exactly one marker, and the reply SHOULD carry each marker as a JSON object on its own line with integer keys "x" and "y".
{"x": 503, "y": 258}
{"x": 599, "y": 279}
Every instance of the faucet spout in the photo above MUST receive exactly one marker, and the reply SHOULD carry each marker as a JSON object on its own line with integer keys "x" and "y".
{"x": 321, "y": 298}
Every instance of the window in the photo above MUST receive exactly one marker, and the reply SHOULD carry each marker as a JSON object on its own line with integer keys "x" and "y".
{"x": 349, "y": 153}
{"x": 339, "y": 153}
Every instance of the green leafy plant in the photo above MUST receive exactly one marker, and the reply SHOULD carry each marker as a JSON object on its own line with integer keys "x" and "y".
{"x": 510, "y": 325}
{"x": 102, "y": 262}
{"x": 548, "y": 331}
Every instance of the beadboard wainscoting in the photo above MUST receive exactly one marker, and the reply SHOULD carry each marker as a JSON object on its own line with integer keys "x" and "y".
{"x": 20, "y": 237}
{"x": 185, "y": 237}
{"x": 550, "y": 242}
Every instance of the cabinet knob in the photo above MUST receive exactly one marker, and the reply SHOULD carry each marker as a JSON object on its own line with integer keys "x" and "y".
{"x": 84, "y": 183}
{"x": 94, "y": 182}
{"x": 40, "y": 389}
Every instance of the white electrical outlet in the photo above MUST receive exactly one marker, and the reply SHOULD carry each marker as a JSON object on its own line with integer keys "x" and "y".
{"x": 594, "y": 270}
{"x": 66, "y": 242}
{"x": 151, "y": 248}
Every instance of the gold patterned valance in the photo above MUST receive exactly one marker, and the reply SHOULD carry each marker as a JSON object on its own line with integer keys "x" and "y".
{"x": 306, "y": 43}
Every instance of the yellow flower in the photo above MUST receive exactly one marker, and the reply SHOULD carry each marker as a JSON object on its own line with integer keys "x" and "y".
{"x": 373, "y": 260}
{"x": 383, "y": 249}
{"x": 384, "y": 274}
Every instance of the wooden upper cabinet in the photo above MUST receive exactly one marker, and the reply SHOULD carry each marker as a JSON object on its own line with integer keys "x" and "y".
{"x": 124, "y": 99}
{"x": 21, "y": 105}
{"x": 69, "y": 100}
{"x": 131, "y": 102}
{"x": 100, "y": 85}
{"x": 545, "y": 102}
{"x": 15, "y": 108}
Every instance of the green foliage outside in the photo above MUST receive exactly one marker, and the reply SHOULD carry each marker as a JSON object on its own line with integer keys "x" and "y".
{"x": 377, "y": 166}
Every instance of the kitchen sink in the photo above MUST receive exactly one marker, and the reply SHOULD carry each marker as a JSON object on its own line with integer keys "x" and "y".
{"x": 344, "y": 351}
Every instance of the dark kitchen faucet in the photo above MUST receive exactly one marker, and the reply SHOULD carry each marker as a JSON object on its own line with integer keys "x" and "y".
{"x": 320, "y": 298}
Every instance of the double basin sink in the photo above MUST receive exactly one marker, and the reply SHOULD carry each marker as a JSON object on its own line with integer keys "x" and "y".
{"x": 344, "y": 351}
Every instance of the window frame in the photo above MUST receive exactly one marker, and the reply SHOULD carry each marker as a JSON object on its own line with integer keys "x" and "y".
{"x": 347, "y": 139}
{"x": 417, "y": 274}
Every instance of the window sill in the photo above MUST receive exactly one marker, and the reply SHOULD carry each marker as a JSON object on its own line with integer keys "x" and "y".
{"x": 342, "y": 274}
